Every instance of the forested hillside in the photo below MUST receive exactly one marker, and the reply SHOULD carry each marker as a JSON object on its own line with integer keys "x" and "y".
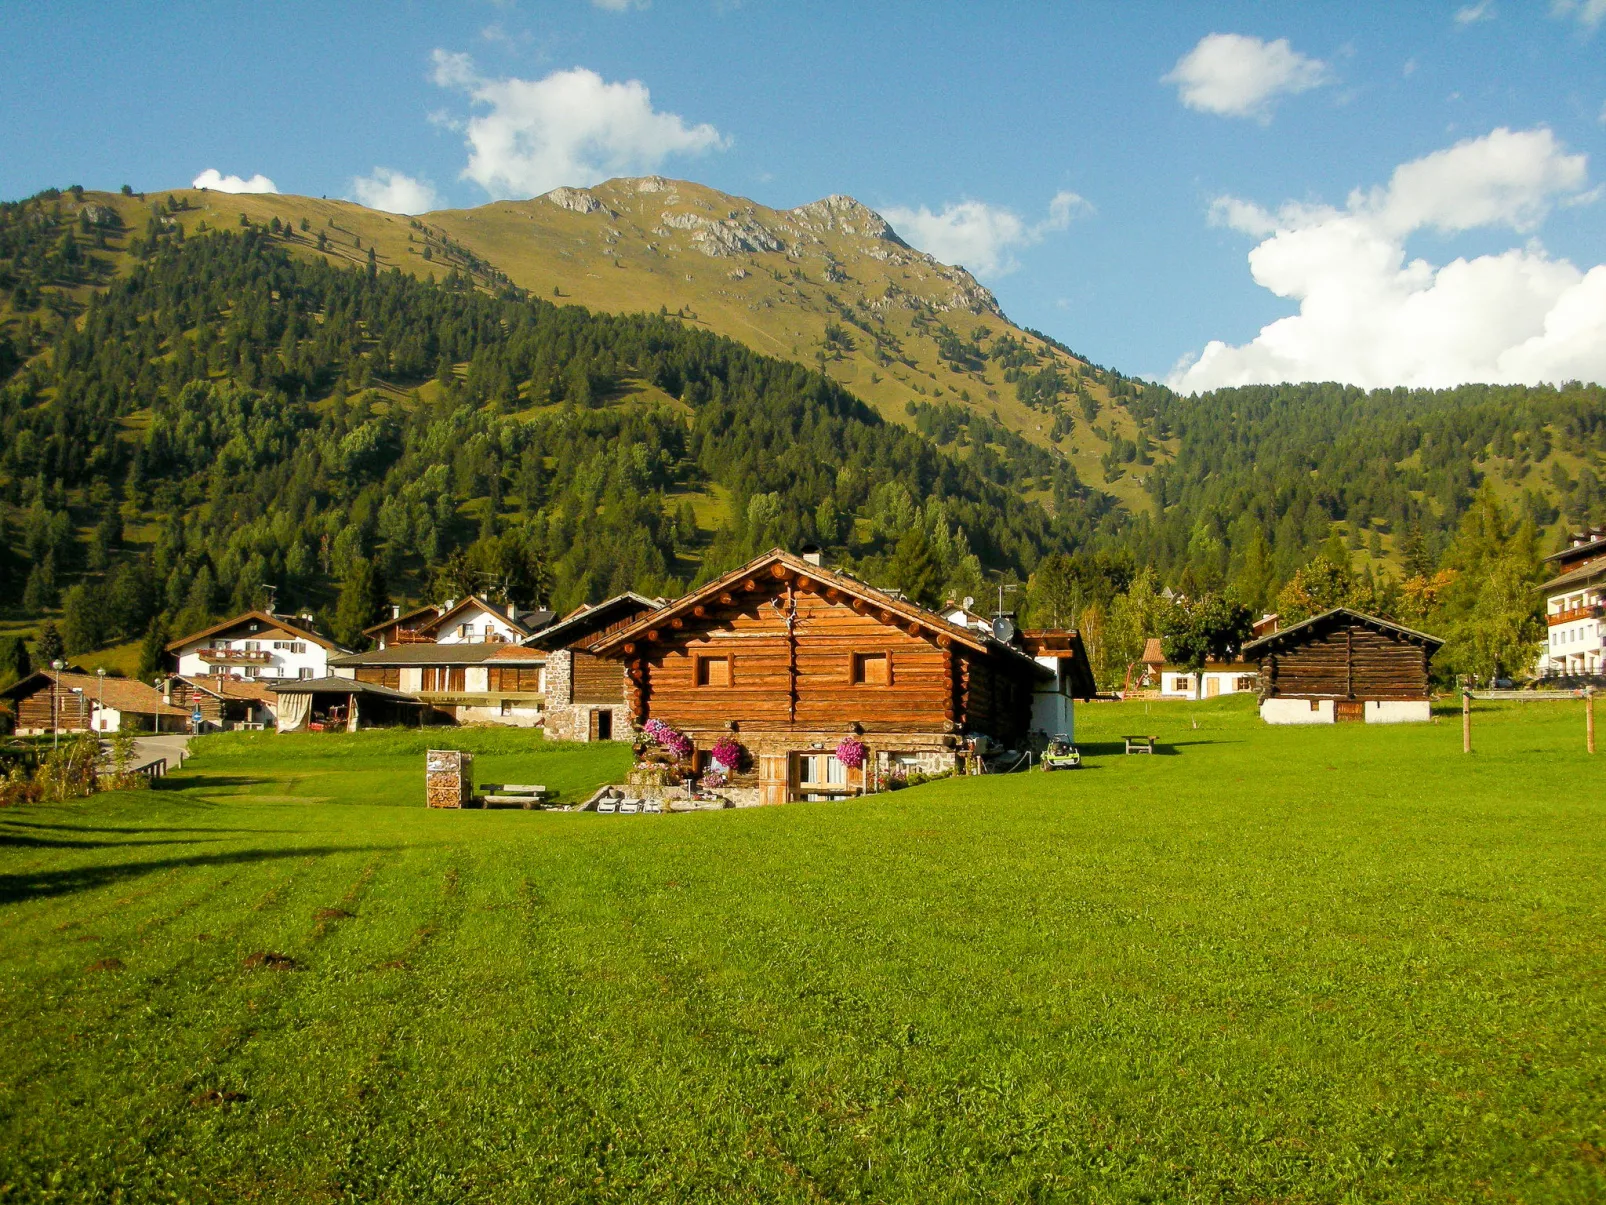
{"x": 228, "y": 419}
{"x": 195, "y": 419}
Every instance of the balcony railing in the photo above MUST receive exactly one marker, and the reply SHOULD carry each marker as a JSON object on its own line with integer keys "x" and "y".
{"x": 412, "y": 636}
{"x": 236, "y": 656}
{"x": 1590, "y": 611}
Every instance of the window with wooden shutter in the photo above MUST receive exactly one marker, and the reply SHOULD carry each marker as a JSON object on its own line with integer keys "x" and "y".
{"x": 872, "y": 669}
{"x": 713, "y": 671}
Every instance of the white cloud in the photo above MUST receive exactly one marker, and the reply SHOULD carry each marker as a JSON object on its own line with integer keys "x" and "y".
{"x": 1238, "y": 76}
{"x": 1472, "y": 14}
{"x": 1370, "y": 317}
{"x": 619, "y": 6}
{"x": 572, "y": 127}
{"x": 979, "y": 236}
{"x": 1588, "y": 13}
{"x": 218, "y": 182}
{"x": 394, "y": 192}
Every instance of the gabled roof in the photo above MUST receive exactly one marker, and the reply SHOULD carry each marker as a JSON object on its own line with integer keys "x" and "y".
{"x": 339, "y": 686}
{"x": 1590, "y": 548}
{"x": 227, "y": 687}
{"x": 777, "y": 564}
{"x": 1576, "y": 577}
{"x": 584, "y": 620}
{"x": 1299, "y": 632}
{"x": 277, "y": 621}
{"x": 429, "y": 609}
{"x": 1153, "y": 651}
{"x": 118, "y": 694}
{"x": 517, "y": 622}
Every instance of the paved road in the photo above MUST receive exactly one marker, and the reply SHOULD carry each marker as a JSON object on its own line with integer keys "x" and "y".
{"x": 173, "y": 746}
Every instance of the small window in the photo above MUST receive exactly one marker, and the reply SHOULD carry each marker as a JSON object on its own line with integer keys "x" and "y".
{"x": 507, "y": 706}
{"x": 306, "y": 671}
{"x": 713, "y": 671}
{"x": 871, "y": 669}
{"x": 1315, "y": 704}
{"x": 821, "y": 769}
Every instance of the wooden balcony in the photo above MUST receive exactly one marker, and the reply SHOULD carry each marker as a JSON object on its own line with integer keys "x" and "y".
{"x": 235, "y": 656}
{"x": 1591, "y": 611}
{"x": 411, "y": 636}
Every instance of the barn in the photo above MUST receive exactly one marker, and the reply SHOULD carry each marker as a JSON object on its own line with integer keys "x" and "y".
{"x": 793, "y": 660}
{"x": 1343, "y": 666}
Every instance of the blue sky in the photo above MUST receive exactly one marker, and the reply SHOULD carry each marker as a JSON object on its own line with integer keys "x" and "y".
{"x": 1175, "y": 138}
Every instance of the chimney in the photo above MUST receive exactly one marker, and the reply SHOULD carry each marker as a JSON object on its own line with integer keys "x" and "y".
{"x": 812, "y": 554}
{"x": 395, "y": 610}
{"x": 513, "y": 612}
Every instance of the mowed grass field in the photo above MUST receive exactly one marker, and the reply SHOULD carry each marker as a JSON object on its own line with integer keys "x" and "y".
{"x": 1341, "y": 964}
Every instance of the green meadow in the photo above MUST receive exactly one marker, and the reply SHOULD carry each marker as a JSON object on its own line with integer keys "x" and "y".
{"x": 1344, "y": 964}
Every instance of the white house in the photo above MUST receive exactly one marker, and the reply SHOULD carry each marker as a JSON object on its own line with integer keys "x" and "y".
{"x": 477, "y": 621}
{"x": 257, "y": 644}
{"x": 1217, "y": 678}
{"x": 1575, "y": 609}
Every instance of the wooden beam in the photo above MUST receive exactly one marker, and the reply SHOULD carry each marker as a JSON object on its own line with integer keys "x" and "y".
{"x": 750, "y": 586}
{"x": 677, "y": 623}
{"x": 700, "y": 611}
{"x": 652, "y": 633}
{"x": 780, "y": 572}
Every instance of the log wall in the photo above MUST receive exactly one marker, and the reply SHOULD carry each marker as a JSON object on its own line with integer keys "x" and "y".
{"x": 1349, "y": 662}
{"x": 596, "y": 679}
{"x": 791, "y": 654}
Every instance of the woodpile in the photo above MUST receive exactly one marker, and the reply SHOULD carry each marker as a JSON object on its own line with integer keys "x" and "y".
{"x": 448, "y": 778}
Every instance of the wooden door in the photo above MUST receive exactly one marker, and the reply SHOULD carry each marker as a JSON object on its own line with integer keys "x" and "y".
{"x": 1212, "y": 687}
{"x": 774, "y": 778}
{"x": 593, "y": 733}
{"x": 1349, "y": 711}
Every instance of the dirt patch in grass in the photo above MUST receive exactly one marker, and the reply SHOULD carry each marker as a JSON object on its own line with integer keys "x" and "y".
{"x": 331, "y": 914}
{"x": 217, "y": 1099}
{"x": 105, "y": 964}
{"x": 267, "y": 960}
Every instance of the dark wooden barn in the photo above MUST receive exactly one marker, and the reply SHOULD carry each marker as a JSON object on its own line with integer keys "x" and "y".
{"x": 1344, "y": 666}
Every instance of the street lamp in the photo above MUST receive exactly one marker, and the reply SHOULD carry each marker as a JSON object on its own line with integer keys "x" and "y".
{"x": 55, "y": 710}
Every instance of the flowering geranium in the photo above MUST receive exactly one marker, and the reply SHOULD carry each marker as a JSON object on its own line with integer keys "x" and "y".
{"x": 850, "y": 752}
{"x": 726, "y": 753}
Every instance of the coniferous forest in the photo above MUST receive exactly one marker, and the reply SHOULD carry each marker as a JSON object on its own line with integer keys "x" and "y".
{"x": 227, "y": 423}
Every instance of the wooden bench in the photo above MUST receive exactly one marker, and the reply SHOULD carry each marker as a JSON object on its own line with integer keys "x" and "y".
{"x": 514, "y": 794}
{"x": 1140, "y": 744}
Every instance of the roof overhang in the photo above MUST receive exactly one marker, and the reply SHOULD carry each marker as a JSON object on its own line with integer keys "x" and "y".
{"x": 778, "y": 567}
{"x": 1296, "y": 633}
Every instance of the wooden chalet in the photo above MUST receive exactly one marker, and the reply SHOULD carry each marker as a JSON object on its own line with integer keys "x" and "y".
{"x": 224, "y": 703}
{"x": 1344, "y": 666}
{"x": 403, "y": 627}
{"x": 585, "y": 693}
{"x": 792, "y": 658}
{"x": 47, "y": 701}
{"x": 257, "y": 644}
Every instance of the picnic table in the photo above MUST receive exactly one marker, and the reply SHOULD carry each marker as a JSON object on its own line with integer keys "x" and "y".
{"x": 1140, "y": 744}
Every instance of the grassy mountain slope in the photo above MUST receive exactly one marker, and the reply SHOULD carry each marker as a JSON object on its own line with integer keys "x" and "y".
{"x": 829, "y": 285}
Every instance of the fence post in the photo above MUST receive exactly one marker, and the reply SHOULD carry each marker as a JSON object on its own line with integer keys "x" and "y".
{"x": 1466, "y": 721}
{"x": 1589, "y": 718}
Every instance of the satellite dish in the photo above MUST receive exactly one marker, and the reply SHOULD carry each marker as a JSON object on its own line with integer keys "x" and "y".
{"x": 969, "y": 602}
{"x": 1003, "y": 630}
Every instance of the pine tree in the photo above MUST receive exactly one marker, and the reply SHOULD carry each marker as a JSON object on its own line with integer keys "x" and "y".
{"x": 47, "y": 644}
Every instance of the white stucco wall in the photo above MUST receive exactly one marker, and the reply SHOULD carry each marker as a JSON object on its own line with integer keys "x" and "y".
{"x": 1296, "y": 711}
{"x": 1399, "y": 711}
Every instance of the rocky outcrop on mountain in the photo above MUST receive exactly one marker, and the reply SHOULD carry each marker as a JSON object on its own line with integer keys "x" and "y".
{"x": 721, "y": 237}
{"x": 844, "y": 215}
{"x": 578, "y": 200}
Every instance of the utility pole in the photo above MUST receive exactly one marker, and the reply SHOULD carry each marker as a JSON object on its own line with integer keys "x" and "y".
{"x": 1466, "y": 720}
